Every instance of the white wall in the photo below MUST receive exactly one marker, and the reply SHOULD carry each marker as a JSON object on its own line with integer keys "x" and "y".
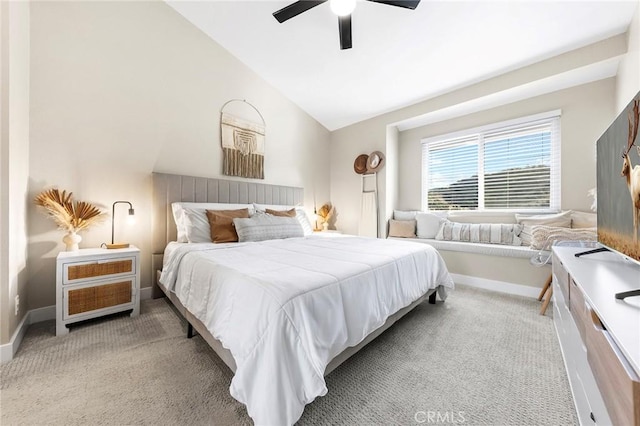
{"x": 587, "y": 111}
{"x": 628, "y": 78}
{"x": 14, "y": 163}
{"x": 392, "y": 174}
{"x": 491, "y": 99}
{"x": 346, "y": 185}
{"x": 122, "y": 89}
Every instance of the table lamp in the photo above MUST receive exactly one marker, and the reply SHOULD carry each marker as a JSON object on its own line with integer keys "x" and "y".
{"x": 113, "y": 217}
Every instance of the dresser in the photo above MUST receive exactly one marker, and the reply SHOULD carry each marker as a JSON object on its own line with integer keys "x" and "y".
{"x": 599, "y": 335}
{"x": 94, "y": 282}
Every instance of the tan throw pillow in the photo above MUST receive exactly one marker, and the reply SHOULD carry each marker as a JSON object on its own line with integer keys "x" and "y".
{"x": 282, "y": 213}
{"x": 221, "y": 224}
{"x": 402, "y": 228}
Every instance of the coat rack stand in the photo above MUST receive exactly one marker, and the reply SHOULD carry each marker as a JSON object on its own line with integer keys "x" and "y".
{"x": 365, "y": 216}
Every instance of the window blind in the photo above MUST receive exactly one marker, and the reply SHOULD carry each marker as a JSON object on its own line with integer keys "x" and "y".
{"x": 507, "y": 166}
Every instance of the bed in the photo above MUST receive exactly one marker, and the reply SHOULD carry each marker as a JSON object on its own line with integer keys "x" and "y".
{"x": 284, "y": 313}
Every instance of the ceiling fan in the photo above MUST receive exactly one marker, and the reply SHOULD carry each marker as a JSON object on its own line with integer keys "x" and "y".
{"x": 342, "y": 8}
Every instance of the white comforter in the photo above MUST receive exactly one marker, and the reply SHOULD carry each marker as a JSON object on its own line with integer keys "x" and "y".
{"x": 285, "y": 308}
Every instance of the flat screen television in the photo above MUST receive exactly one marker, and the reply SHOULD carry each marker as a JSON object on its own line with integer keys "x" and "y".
{"x": 618, "y": 190}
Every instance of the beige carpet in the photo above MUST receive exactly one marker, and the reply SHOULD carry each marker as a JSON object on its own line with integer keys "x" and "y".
{"x": 480, "y": 358}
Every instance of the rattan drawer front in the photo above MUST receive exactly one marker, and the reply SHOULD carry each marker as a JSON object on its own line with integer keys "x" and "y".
{"x": 98, "y": 269}
{"x": 87, "y": 299}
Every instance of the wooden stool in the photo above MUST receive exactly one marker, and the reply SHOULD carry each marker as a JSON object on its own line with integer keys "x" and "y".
{"x": 548, "y": 290}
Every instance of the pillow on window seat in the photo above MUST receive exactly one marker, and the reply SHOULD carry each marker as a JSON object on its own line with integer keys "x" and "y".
{"x": 428, "y": 224}
{"x": 402, "y": 228}
{"x": 559, "y": 219}
{"x": 543, "y": 237}
{"x": 405, "y": 214}
{"x": 583, "y": 219}
{"x": 489, "y": 233}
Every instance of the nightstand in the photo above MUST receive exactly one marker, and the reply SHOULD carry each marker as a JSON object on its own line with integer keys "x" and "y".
{"x": 94, "y": 282}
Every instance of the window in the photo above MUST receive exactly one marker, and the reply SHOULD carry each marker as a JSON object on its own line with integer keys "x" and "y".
{"x": 506, "y": 166}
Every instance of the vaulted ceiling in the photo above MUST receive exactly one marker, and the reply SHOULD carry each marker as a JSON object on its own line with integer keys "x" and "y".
{"x": 399, "y": 56}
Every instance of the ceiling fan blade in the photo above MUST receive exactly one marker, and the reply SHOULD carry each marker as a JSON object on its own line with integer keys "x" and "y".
{"x": 295, "y": 9}
{"x": 344, "y": 25}
{"x": 407, "y": 4}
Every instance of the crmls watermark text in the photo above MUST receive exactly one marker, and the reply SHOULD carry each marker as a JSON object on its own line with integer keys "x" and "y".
{"x": 435, "y": 417}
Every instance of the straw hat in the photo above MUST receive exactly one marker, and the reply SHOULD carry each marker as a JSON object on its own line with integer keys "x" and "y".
{"x": 360, "y": 165}
{"x": 375, "y": 162}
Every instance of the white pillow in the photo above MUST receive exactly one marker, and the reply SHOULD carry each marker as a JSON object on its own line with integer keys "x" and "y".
{"x": 488, "y": 233}
{"x": 562, "y": 219}
{"x": 472, "y": 216}
{"x": 583, "y": 220}
{"x": 428, "y": 224}
{"x": 405, "y": 215}
{"x": 301, "y": 215}
{"x": 279, "y": 207}
{"x": 178, "y": 212}
{"x": 262, "y": 227}
{"x": 198, "y": 224}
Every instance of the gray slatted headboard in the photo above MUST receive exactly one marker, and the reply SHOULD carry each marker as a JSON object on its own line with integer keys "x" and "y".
{"x": 168, "y": 188}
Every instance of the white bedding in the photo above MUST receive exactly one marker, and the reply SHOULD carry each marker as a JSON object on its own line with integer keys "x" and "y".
{"x": 285, "y": 308}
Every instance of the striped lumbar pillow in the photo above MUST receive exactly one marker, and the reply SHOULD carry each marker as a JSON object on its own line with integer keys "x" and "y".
{"x": 263, "y": 226}
{"x": 490, "y": 233}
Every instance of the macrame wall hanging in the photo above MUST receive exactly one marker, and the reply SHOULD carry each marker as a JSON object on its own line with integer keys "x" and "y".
{"x": 242, "y": 142}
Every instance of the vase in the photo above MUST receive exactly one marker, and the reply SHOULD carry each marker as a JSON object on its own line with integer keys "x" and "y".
{"x": 325, "y": 226}
{"x": 71, "y": 240}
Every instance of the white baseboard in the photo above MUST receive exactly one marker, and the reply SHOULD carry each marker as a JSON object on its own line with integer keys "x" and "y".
{"x": 8, "y": 350}
{"x": 42, "y": 314}
{"x": 494, "y": 285}
{"x": 145, "y": 293}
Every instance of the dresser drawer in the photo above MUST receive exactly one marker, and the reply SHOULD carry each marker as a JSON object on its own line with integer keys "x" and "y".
{"x": 558, "y": 295}
{"x": 98, "y": 297}
{"x": 561, "y": 313}
{"x": 618, "y": 383}
{"x": 578, "y": 308}
{"x": 98, "y": 269}
{"x": 562, "y": 277}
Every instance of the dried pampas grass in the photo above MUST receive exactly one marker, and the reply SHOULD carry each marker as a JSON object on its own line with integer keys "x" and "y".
{"x": 68, "y": 214}
{"x": 325, "y": 212}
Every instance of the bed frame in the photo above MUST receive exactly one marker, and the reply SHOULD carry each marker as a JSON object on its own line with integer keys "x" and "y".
{"x": 168, "y": 188}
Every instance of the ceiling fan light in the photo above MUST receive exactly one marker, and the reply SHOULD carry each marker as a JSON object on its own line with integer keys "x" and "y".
{"x": 342, "y": 7}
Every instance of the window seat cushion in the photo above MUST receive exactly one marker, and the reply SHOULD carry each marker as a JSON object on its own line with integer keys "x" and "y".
{"x": 480, "y": 248}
